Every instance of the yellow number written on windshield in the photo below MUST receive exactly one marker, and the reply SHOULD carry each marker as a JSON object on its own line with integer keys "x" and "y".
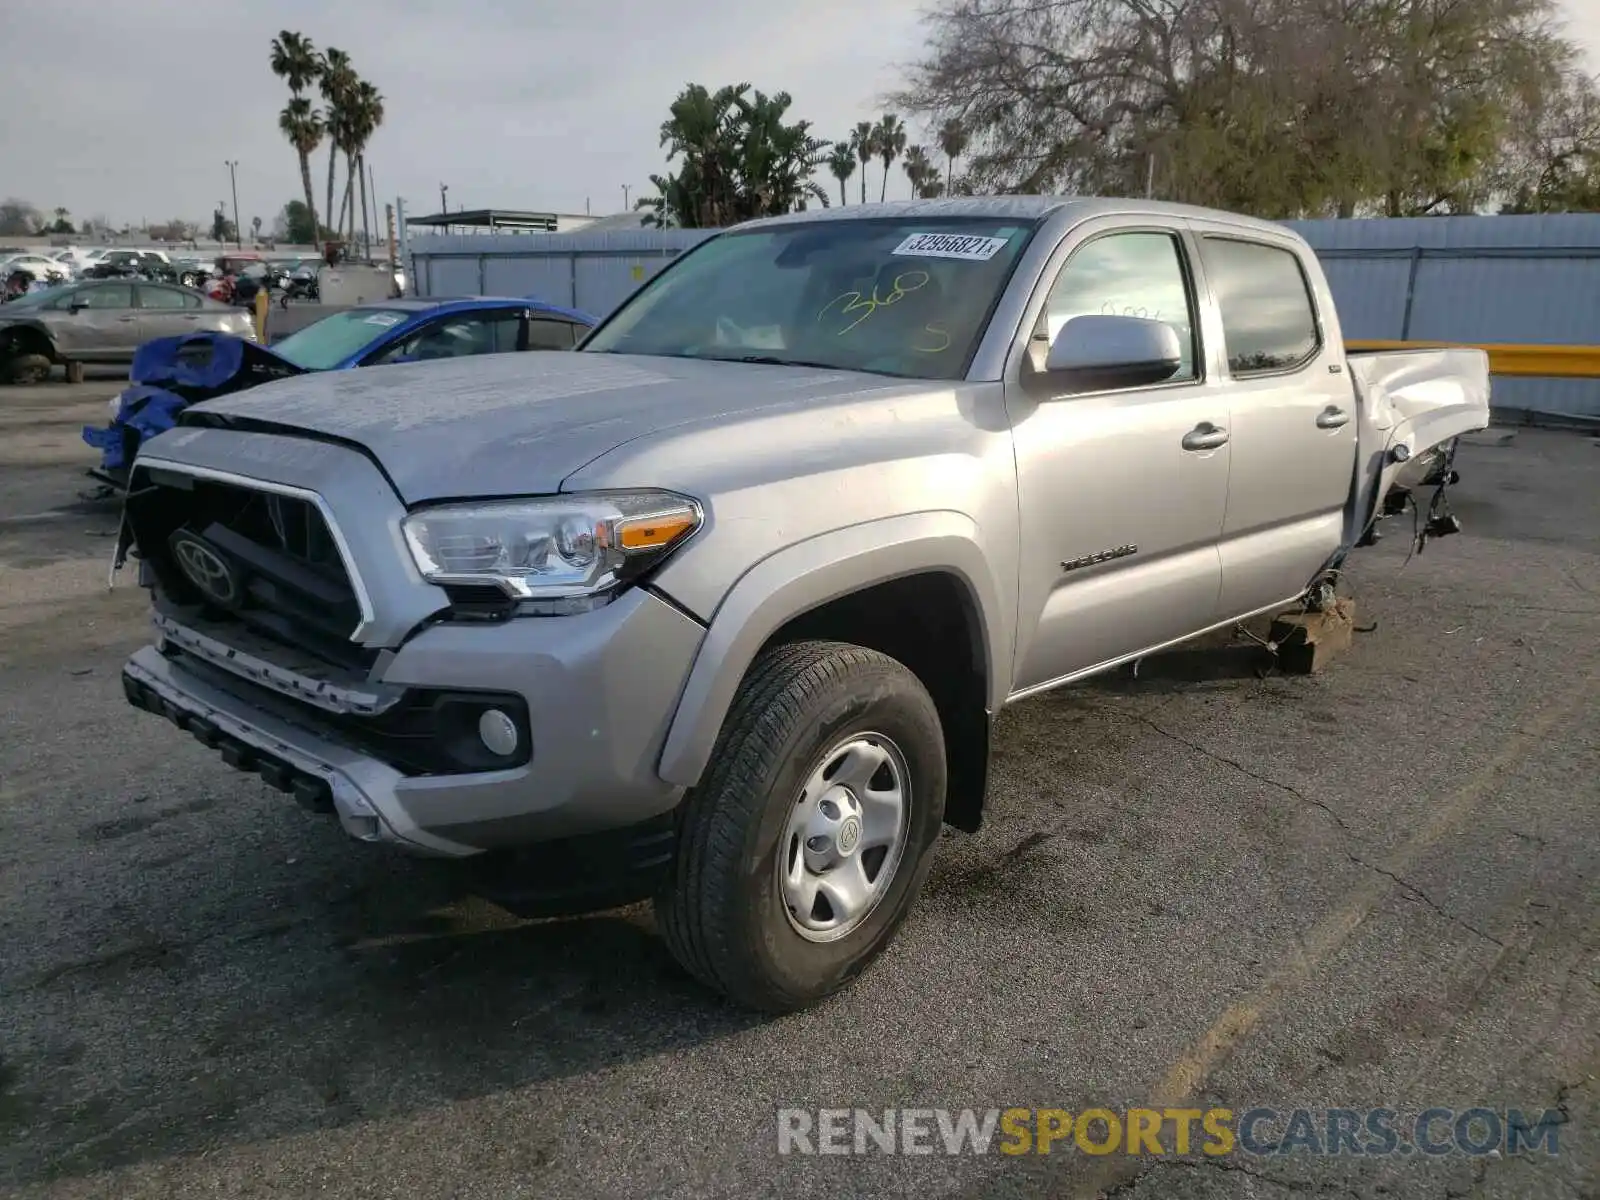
{"x": 860, "y": 307}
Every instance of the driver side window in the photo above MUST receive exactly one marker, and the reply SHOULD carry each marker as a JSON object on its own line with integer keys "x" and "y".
{"x": 1134, "y": 274}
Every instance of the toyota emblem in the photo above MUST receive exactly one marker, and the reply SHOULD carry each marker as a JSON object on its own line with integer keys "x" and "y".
{"x": 206, "y": 569}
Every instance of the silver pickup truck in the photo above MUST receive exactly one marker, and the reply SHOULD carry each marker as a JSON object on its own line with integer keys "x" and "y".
{"x": 720, "y": 607}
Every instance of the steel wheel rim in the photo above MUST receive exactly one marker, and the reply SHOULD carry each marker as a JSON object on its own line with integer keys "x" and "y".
{"x": 845, "y": 837}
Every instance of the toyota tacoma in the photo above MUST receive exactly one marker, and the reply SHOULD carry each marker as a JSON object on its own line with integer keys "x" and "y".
{"x": 721, "y": 607}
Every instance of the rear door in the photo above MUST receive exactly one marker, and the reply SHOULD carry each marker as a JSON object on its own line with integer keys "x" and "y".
{"x": 166, "y": 311}
{"x": 1293, "y": 413}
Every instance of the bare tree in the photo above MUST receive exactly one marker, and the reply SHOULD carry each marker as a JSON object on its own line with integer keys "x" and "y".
{"x": 1279, "y": 107}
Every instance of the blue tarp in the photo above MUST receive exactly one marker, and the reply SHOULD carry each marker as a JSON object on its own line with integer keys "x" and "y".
{"x": 168, "y": 375}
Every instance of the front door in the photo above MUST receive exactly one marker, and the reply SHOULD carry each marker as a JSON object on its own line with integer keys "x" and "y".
{"x": 463, "y": 334}
{"x": 1294, "y": 419}
{"x": 101, "y": 323}
{"x": 1122, "y": 492}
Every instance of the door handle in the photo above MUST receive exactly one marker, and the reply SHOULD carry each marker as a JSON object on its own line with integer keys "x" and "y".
{"x": 1205, "y": 436}
{"x": 1332, "y": 417}
{"x": 127, "y": 319}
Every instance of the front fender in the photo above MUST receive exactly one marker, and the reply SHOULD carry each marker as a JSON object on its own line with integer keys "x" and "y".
{"x": 809, "y": 574}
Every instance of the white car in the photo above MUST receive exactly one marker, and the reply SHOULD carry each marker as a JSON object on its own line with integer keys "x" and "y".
{"x": 40, "y": 266}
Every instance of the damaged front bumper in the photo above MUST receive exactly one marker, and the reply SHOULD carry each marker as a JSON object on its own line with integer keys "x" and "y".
{"x": 592, "y": 695}
{"x": 321, "y": 775}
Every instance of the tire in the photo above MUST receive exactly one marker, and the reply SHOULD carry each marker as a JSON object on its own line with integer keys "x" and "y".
{"x": 25, "y": 368}
{"x": 725, "y": 911}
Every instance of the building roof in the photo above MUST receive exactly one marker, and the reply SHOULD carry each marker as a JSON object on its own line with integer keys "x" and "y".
{"x": 490, "y": 218}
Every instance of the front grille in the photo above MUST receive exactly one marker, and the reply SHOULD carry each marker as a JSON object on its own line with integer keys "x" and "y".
{"x": 233, "y": 553}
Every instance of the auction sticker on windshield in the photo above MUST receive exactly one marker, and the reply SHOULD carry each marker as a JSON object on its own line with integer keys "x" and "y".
{"x": 384, "y": 318}
{"x": 971, "y": 247}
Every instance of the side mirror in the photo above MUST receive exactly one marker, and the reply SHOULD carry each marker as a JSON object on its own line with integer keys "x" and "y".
{"x": 1096, "y": 352}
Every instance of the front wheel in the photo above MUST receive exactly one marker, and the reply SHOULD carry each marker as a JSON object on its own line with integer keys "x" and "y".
{"x": 804, "y": 847}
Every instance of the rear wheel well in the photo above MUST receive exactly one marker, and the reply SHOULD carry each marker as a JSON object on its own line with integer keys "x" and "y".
{"x": 930, "y": 623}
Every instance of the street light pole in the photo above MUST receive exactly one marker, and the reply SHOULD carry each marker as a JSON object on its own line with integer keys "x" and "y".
{"x": 625, "y": 190}
{"x": 233, "y": 178}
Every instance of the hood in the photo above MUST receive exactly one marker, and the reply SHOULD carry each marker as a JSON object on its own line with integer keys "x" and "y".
{"x": 519, "y": 424}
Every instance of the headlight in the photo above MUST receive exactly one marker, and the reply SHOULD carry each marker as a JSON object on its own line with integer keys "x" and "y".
{"x": 554, "y": 554}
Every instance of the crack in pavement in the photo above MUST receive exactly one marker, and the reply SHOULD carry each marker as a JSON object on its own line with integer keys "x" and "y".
{"x": 1246, "y": 771}
{"x": 1409, "y": 888}
{"x": 1414, "y": 891}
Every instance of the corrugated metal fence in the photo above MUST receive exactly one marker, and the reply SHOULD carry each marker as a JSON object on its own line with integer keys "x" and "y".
{"x": 1532, "y": 279}
{"x": 593, "y": 272}
{"x": 1521, "y": 279}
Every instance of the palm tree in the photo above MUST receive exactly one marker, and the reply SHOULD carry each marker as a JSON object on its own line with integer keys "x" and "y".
{"x": 918, "y": 168}
{"x": 953, "y": 139}
{"x": 864, "y": 141}
{"x": 302, "y": 125}
{"x": 294, "y": 60}
{"x": 842, "y": 162}
{"x": 891, "y": 140}
{"x": 363, "y": 115}
{"x": 336, "y": 79}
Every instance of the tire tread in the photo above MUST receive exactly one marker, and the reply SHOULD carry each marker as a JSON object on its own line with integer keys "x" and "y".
{"x": 693, "y": 911}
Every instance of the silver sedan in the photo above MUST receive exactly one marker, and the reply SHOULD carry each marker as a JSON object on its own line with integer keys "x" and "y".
{"x": 104, "y": 321}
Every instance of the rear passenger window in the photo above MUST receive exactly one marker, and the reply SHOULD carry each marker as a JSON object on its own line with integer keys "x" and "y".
{"x": 1268, "y": 320}
{"x": 545, "y": 334}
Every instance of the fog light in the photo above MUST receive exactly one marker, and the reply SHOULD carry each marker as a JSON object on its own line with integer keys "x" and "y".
{"x": 498, "y": 732}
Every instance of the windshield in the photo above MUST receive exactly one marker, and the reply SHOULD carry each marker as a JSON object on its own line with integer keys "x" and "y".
{"x": 330, "y": 341}
{"x": 901, "y": 296}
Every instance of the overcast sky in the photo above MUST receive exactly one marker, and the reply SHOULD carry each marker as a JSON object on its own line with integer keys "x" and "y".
{"x": 130, "y": 109}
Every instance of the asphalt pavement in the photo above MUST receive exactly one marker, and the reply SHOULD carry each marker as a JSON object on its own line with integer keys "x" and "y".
{"x": 1204, "y": 887}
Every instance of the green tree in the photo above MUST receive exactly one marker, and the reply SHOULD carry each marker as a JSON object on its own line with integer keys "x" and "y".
{"x": 864, "y": 141}
{"x": 295, "y": 224}
{"x": 295, "y": 61}
{"x": 890, "y": 139}
{"x": 738, "y": 157}
{"x": 222, "y": 229}
{"x": 842, "y": 165}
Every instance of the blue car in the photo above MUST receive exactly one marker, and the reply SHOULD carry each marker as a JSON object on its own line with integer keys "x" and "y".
{"x": 169, "y": 374}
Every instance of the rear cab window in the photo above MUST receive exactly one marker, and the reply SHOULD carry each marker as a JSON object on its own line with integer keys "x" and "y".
{"x": 1269, "y": 318}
